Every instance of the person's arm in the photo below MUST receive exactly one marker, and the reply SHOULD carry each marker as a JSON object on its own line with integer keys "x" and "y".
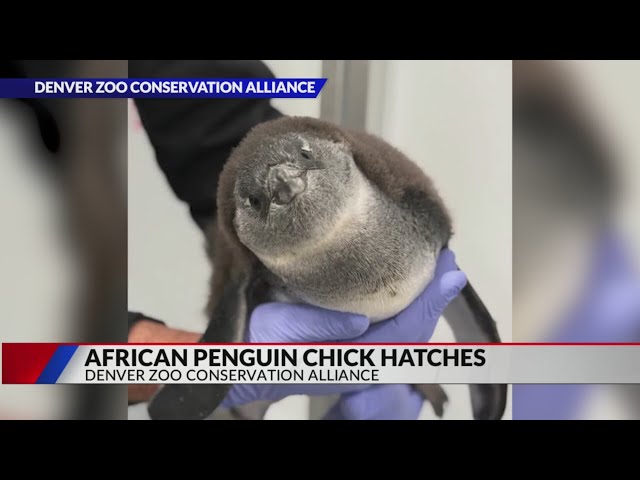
{"x": 145, "y": 329}
{"x": 193, "y": 137}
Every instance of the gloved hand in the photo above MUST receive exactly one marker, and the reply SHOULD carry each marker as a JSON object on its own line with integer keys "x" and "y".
{"x": 378, "y": 402}
{"x": 285, "y": 323}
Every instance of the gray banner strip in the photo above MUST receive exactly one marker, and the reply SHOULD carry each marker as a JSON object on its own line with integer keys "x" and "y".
{"x": 617, "y": 364}
{"x": 429, "y": 363}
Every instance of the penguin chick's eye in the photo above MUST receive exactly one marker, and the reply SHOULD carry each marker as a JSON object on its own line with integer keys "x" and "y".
{"x": 252, "y": 201}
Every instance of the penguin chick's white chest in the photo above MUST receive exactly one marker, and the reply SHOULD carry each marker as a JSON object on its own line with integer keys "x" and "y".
{"x": 384, "y": 304}
{"x": 377, "y": 306}
{"x": 371, "y": 262}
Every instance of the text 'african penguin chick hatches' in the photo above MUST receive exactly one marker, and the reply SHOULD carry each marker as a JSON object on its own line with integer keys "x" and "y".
{"x": 312, "y": 213}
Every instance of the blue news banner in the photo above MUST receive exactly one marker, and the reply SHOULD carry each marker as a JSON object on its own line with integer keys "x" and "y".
{"x": 161, "y": 87}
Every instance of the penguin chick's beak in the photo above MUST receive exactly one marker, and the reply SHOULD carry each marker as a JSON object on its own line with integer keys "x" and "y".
{"x": 286, "y": 183}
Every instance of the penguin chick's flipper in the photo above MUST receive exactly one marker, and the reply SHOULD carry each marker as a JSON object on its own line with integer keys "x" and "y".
{"x": 198, "y": 401}
{"x": 471, "y": 322}
{"x": 435, "y": 395}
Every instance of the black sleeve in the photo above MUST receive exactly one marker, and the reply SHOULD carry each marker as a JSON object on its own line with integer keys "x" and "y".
{"x": 134, "y": 317}
{"x": 192, "y": 138}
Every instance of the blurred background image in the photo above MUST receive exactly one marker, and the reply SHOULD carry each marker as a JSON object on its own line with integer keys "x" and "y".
{"x": 63, "y": 256}
{"x": 453, "y": 118}
{"x": 576, "y": 234}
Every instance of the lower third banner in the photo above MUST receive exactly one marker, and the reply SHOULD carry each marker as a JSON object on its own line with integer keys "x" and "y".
{"x": 50, "y": 363}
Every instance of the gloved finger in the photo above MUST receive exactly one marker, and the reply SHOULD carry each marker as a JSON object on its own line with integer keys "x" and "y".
{"x": 418, "y": 321}
{"x": 450, "y": 285}
{"x": 446, "y": 262}
{"x": 286, "y": 323}
{"x": 379, "y": 402}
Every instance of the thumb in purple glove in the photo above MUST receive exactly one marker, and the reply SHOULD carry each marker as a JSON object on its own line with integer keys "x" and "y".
{"x": 287, "y": 323}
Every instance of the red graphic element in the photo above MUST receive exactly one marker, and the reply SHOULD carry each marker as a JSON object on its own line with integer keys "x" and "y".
{"x": 22, "y": 363}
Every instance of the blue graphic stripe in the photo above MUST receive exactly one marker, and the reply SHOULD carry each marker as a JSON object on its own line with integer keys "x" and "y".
{"x": 57, "y": 364}
{"x": 161, "y": 87}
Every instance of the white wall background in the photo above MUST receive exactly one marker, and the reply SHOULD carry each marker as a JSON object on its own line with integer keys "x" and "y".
{"x": 452, "y": 118}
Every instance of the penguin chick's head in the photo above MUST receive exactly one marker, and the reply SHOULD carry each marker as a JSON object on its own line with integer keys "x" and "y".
{"x": 293, "y": 185}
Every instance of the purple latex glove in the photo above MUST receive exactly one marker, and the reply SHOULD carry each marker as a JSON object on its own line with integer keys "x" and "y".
{"x": 609, "y": 312}
{"x": 379, "y": 402}
{"x": 286, "y": 323}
